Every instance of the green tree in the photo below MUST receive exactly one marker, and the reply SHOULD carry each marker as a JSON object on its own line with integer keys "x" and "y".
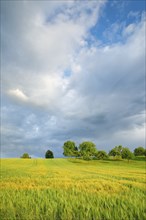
{"x": 139, "y": 151}
{"x": 100, "y": 155}
{"x": 116, "y": 151}
{"x": 70, "y": 149}
{"x": 87, "y": 150}
{"x": 126, "y": 153}
{"x": 26, "y": 156}
{"x": 112, "y": 152}
{"x": 49, "y": 154}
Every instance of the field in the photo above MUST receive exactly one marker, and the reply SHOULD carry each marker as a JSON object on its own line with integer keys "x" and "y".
{"x": 72, "y": 189}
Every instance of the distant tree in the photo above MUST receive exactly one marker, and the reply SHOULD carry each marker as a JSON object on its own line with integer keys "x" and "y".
{"x": 139, "y": 151}
{"x": 87, "y": 150}
{"x": 126, "y": 153}
{"x": 49, "y": 154}
{"x": 70, "y": 149}
{"x": 145, "y": 152}
{"x": 100, "y": 155}
{"x": 116, "y": 151}
{"x": 112, "y": 152}
{"x": 26, "y": 156}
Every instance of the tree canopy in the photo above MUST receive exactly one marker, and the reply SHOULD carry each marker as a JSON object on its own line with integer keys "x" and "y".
{"x": 122, "y": 152}
{"x": 87, "y": 150}
{"x": 26, "y": 156}
{"x": 70, "y": 149}
{"x": 139, "y": 151}
{"x": 49, "y": 154}
{"x": 126, "y": 153}
{"x": 116, "y": 151}
{"x": 100, "y": 155}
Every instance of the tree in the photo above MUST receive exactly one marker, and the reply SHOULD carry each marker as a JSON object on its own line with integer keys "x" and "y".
{"x": 126, "y": 153}
{"x": 70, "y": 149}
{"x": 26, "y": 156}
{"x": 87, "y": 150}
{"x": 116, "y": 151}
{"x": 49, "y": 154}
{"x": 139, "y": 151}
{"x": 112, "y": 152}
{"x": 100, "y": 155}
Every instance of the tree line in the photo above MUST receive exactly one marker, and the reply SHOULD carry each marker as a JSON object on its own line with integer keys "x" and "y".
{"x": 87, "y": 151}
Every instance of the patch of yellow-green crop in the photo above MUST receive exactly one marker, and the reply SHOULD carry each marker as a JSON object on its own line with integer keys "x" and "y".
{"x": 72, "y": 189}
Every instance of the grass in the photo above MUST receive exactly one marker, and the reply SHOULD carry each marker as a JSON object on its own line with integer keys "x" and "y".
{"x": 72, "y": 189}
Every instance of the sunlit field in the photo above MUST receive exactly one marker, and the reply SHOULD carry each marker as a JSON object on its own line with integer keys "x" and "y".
{"x": 72, "y": 189}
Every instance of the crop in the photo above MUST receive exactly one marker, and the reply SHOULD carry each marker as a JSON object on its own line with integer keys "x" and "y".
{"x": 72, "y": 189}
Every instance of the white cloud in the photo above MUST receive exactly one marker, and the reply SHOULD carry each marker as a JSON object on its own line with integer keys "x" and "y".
{"x": 42, "y": 48}
{"x": 135, "y": 14}
{"x": 129, "y": 29}
{"x": 17, "y": 93}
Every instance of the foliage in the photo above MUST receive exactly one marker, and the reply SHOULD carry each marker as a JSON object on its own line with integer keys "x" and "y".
{"x": 139, "y": 158}
{"x": 49, "y": 154}
{"x": 70, "y": 149}
{"x": 112, "y": 152}
{"x": 126, "y": 153}
{"x": 100, "y": 155}
{"x": 87, "y": 150}
{"x": 139, "y": 151}
{"x": 121, "y": 152}
{"x": 86, "y": 156}
{"x": 116, "y": 151}
{"x": 26, "y": 156}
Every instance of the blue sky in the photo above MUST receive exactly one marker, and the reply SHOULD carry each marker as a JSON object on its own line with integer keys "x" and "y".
{"x": 71, "y": 70}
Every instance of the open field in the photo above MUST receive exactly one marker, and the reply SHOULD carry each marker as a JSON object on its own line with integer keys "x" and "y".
{"x": 72, "y": 189}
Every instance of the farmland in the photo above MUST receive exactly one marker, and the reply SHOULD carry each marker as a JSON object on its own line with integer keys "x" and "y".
{"x": 72, "y": 189}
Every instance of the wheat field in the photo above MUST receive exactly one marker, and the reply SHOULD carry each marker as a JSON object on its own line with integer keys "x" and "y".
{"x": 72, "y": 189}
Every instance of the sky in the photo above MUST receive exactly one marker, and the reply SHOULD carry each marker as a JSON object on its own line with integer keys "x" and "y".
{"x": 72, "y": 70}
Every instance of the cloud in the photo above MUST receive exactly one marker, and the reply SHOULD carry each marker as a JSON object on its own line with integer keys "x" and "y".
{"x": 48, "y": 40}
{"x": 135, "y": 14}
{"x": 58, "y": 84}
{"x": 17, "y": 93}
{"x": 129, "y": 29}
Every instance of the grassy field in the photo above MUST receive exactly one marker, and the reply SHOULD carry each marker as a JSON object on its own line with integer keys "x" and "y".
{"x": 72, "y": 189}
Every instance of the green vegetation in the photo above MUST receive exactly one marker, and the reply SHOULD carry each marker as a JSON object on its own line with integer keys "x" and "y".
{"x": 72, "y": 189}
{"x": 120, "y": 152}
{"x": 26, "y": 156}
{"x": 87, "y": 150}
{"x": 116, "y": 151}
{"x": 126, "y": 153}
{"x": 70, "y": 149}
{"x": 101, "y": 155}
{"x": 139, "y": 151}
{"x": 49, "y": 154}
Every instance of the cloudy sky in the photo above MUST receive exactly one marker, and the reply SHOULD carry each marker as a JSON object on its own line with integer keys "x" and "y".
{"x": 71, "y": 70}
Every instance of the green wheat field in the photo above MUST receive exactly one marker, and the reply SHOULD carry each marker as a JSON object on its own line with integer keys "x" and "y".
{"x": 72, "y": 189}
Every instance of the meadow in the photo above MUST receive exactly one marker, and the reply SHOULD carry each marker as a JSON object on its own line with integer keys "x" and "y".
{"x": 72, "y": 189}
